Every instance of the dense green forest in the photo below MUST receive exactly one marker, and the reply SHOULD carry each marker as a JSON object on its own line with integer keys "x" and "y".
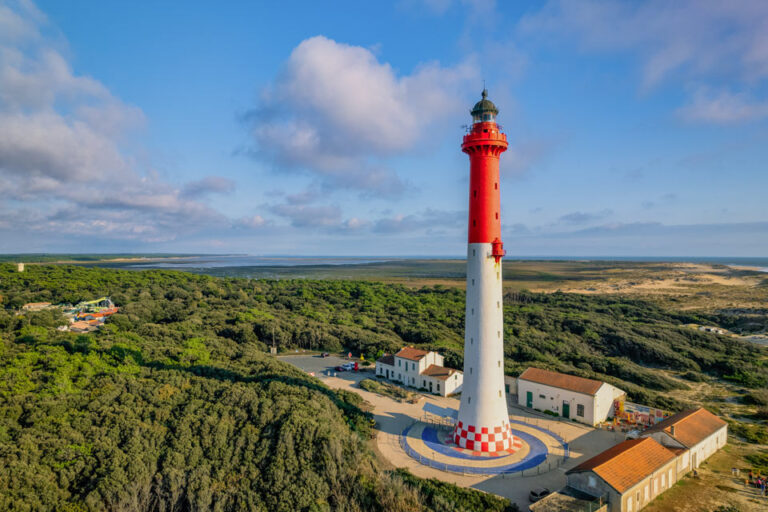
{"x": 174, "y": 404}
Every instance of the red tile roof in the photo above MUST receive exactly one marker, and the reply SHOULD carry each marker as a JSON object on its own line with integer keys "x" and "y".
{"x": 438, "y": 372}
{"x": 414, "y": 354}
{"x": 691, "y": 426}
{"x": 561, "y": 380}
{"x": 628, "y": 463}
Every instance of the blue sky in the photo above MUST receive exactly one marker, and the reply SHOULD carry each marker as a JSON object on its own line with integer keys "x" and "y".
{"x": 635, "y": 128}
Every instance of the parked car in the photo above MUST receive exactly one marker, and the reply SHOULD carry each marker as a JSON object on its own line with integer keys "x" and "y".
{"x": 324, "y": 354}
{"x": 341, "y": 368}
{"x": 538, "y": 493}
{"x": 349, "y": 366}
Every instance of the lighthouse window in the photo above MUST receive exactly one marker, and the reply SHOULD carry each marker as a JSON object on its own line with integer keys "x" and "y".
{"x": 469, "y": 399}
{"x": 497, "y": 215}
{"x": 497, "y": 276}
{"x": 499, "y": 363}
{"x": 498, "y": 304}
{"x": 473, "y": 252}
{"x": 470, "y": 370}
{"x": 496, "y": 186}
{"x": 474, "y": 193}
{"x": 473, "y": 311}
{"x": 498, "y": 333}
{"x": 471, "y": 341}
{"x": 473, "y": 282}
{"x": 499, "y": 393}
{"x": 474, "y": 223}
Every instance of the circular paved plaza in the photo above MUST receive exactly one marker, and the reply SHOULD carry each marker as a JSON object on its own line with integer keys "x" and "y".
{"x": 533, "y": 446}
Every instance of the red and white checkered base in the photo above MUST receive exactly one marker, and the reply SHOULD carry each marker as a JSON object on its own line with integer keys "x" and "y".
{"x": 486, "y": 440}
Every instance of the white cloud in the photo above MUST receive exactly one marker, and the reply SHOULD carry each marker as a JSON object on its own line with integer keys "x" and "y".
{"x": 723, "y": 107}
{"x": 63, "y": 155}
{"x": 209, "y": 185}
{"x": 699, "y": 37}
{"x": 335, "y": 107}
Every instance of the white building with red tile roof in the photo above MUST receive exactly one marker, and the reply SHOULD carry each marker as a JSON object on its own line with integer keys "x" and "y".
{"x": 695, "y": 434}
{"x": 629, "y": 474}
{"x": 420, "y": 369}
{"x": 584, "y": 400}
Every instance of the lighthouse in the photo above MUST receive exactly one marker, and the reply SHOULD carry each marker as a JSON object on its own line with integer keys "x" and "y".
{"x": 483, "y": 422}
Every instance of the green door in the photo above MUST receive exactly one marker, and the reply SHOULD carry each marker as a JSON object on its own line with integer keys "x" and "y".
{"x": 566, "y": 410}
{"x": 529, "y": 399}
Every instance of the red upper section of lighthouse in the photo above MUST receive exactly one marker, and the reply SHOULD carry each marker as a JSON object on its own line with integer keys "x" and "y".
{"x": 484, "y": 144}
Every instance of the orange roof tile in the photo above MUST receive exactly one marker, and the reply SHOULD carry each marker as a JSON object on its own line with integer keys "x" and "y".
{"x": 438, "y": 372}
{"x": 414, "y": 354}
{"x": 691, "y": 426}
{"x": 628, "y": 463}
{"x": 561, "y": 380}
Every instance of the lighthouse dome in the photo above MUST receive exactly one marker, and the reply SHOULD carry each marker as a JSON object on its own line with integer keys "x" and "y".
{"x": 484, "y": 110}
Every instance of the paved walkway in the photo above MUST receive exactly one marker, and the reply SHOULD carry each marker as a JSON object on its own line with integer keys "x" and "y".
{"x": 393, "y": 417}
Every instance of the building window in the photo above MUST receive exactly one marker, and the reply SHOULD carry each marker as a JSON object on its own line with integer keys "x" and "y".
{"x": 647, "y": 494}
{"x": 423, "y": 383}
{"x": 499, "y": 363}
{"x": 469, "y": 399}
{"x": 506, "y": 388}
{"x": 592, "y": 482}
{"x": 542, "y": 396}
{"x": 499, "y": 393}
{"x": 471, "y": 341}
{"x": 470, "y": 370}
{"x": 399, "y": 362}
{"x": 580, "y": 410}
{"x": 473, "y": 311}
{"x": 473, "y": 282}
{"x": 456, "y": 377}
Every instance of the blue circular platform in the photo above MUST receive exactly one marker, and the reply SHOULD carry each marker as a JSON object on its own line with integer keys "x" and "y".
{"x": 433, "y": 447}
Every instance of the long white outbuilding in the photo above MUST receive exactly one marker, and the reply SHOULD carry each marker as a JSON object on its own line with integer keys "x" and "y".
{"x": 584, "y": 400}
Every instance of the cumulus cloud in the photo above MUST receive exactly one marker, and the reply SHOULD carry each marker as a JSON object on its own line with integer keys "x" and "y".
{"x": 337, "y": 112}
{"x": 63, "y": 149}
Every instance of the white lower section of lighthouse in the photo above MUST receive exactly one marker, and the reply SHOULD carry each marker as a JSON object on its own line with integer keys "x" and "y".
{"x": 483, "y": 421}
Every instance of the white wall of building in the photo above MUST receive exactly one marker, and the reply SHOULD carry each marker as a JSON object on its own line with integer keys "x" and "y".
{"x": 550, "y": 398}
{"x": 408, "y": 372}
{"x": 708, "y": 446}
